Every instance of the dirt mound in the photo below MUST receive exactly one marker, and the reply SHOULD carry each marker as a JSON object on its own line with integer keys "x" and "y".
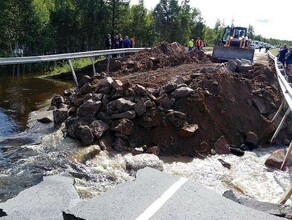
{"x": 186, "y": 109}
{"x": 161, "y": 56}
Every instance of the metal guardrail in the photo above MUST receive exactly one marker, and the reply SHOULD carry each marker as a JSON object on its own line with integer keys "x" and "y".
{"x": 66, "y": 56}
{"x": 287, "y": 100}
{"x": 283, "y": 80}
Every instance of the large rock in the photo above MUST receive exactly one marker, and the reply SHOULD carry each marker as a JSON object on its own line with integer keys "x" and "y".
{"x": 276, "y": 159}
{"x": 89, "y": 108}
{"x": 176, "y": 118}
{"x": 141, "y": 161}
{"x": 182, "y": 92}
{"x": 221, "y": 146}
{"x": 123, "y": 126}
{"x": 85, "y": 135}
{"x": 98, "y": 128}
{"x": 57, "y": 101}
{"x": 120, "y": 105}
{"x": 60, "y": 115}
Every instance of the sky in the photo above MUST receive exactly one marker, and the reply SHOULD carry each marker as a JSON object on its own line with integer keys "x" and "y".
{"x": 269, "y": 19}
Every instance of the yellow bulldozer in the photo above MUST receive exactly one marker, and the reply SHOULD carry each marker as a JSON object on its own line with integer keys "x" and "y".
{"x": 236, "y": 45}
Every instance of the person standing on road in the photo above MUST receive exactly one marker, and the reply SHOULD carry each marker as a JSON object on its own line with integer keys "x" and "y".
{"x": 191, "y": 44}
{"x": 282, "y": 53}
{"x": 126, "y": 42}
{"x": 132, "y": 41}
{"x": 108, "y": 42}
{"x": 199, "y": 43}
{"x": 288, "y": 61}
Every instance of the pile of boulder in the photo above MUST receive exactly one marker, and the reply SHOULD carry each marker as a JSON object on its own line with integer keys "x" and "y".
{"x": 214, "y": 111}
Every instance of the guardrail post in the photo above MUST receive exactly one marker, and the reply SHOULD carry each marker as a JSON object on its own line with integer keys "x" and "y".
{"x": 93, "y": 66}
{"x": 280, "y": 125}
{"x": 279, "y": 110}
{"x": 73, "y": 72}
{"x": 108, "y": 63}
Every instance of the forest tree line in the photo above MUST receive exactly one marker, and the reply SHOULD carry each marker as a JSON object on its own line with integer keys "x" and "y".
{"x": 59, "y": 26}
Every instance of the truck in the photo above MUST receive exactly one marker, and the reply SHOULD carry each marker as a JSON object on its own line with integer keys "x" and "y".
{"x": 236, "y": 45}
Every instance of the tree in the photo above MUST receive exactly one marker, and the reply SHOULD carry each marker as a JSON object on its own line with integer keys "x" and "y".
{"x": 115, "y": 6}
{"x": 209, "y": 36}
{"x": 165, "y": 20}
{"x": 141, "y": 25}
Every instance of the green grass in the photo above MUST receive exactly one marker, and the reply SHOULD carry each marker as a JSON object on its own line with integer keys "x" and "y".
{"x": 64, "y": 66}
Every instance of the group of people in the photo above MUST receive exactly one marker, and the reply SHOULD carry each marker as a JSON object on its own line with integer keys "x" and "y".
{"x": 199, "y": 44}
{"x": 285, "y": 57}
{"x": 118, "y": 42}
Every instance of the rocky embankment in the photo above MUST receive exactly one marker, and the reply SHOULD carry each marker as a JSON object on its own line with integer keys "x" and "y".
{"x": 216, "y": 108}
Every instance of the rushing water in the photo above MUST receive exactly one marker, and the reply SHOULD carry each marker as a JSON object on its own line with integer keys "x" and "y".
{"x": 29, "y": 150}
{"x": 20, "y": 95}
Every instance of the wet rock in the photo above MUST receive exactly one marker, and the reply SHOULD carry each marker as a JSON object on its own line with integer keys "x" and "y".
{"x": 60, "y": 115}
{"x": 225, "y": 164}
{"x": 57, "y": 101}
{"x": 153, "y": 150}
{"x": 120, "y": 144}
{"x": 11, "y": 142}
{"x": 2, "y": 213}
{"x": 88, "y": 153}
{"x": 141, "y": 161}
{"x": 98, "y": 128}
{"x": 105, "y": 143}
{"x": 204, "y": 148}
{"x": 68, "y": 216}
{"x": 45, "y": 120}
{"x": 138, "y": 150}
{"x": 252, "y": 137}
{"x": 276, "y": 159}
{"x": 221, "y": 146}
{"x": 85, "y": 135}
{"x": 236, "y": 151}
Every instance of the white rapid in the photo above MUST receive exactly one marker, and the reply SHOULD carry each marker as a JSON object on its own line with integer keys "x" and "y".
{"x": 53, "y": 153}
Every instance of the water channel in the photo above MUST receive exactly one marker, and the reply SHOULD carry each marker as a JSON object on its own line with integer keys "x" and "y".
{"x": 29, "y": 150}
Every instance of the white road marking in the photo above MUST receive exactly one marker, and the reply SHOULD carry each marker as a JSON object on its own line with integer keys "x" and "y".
{"x": 155, "y": 206}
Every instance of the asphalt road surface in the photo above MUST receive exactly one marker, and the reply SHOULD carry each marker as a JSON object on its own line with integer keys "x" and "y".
{"x": 153, "y": 195}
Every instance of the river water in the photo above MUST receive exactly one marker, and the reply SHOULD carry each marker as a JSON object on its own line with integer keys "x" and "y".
{"x": 29, "y": 150}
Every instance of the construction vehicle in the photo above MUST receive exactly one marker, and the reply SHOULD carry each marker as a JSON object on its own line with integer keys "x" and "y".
{"x": 235, "y": 45}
